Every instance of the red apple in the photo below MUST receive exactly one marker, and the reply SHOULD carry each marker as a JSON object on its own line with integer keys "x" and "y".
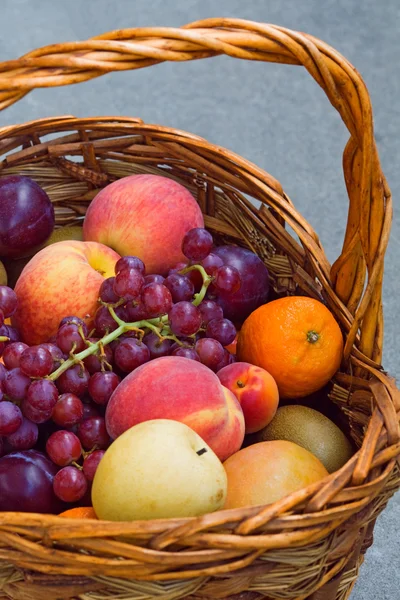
{"x": 145, "y": 216}
{"x": 61, "y": 280}
{"x": 255, "y": 390}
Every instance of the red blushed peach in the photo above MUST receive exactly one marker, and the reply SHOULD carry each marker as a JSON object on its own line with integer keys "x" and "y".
{"x": 183, "y": 390}
{"x": 59, "y": 281}
{"x": 145, "y": 216}
{"x": 255, "y": 390}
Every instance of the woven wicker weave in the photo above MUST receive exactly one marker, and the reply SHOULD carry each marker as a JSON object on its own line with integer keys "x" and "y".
{"x": 310, "y": 544}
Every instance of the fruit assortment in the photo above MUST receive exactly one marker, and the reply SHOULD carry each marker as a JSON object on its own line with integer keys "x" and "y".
{"x": 142, "y": 367}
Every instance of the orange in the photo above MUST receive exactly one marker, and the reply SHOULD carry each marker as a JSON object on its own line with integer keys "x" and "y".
{"x": 232, "y": 346}
{"x": 297, "y": 340}
{"x": 80, "y": 512}
{"x": 266, "y": 472}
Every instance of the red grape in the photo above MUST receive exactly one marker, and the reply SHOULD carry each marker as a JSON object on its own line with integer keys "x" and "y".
{"x": 228, "y": 359}
{"x": 76, "y": 321}
{"x": 211, "y": 263}
{"x": 92, "y": 432}
{"x": 1, "y": 318}
{"x": 107, "y": 293}
{"x": 222, "y": 330}
{"x": 63, "y": 447}
{"x": 131, "y": 353}
{"x": 69, "y": 338}
{"x": 74, "y": 380}
{"x": 157, "y": 347}
{"x": 36, "y": 361}
{"x": 184, "y": 318}
{"x": 128, "y": 283}
{"x": 40, "y": 400}
{"x": 130, "y": 262}
{"x": 186, "y": 353}
{"x": 197, "y": 244}
{"x": 8, "y": 301}
{"x": 91, "y": 463}
{"x": 56, "y": 354}
{"x": 25, "y": 437}
{"x": 26, "y": 483}
{"x": 210, "y": 352}
{"x": 210, "y": 310}
{"x": 135, "y": 311}
{"x": 104, "y": 322}
{"x": 70, "y": 484}
{"x": 180, "y": 286}
{"x": 254, "y": 286}
{"x": 3, "y": 372}
{"x": 93, "y": 363}
{"x": 227, "y": 279}
{"x": 12, "y": 333}
{"x": 15, "y": 384}
{"x": 68, "y": 411}
{"x": 157, "y": 299}
{"x": 89, "y": 410}
{"x": 153, "y": 278}
{"x": 26, "y": 215}
{"x": 12, "y": 354}
{"x": 178, "y": 267}
{"x": 102, "y": 385}
{"x": 10, "y": 418}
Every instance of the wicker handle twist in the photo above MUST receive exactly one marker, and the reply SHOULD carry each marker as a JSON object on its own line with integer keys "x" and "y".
{"x": 370, "y": 210}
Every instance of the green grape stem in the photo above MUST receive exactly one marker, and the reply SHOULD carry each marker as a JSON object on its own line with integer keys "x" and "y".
{"x": 156, "y": 325}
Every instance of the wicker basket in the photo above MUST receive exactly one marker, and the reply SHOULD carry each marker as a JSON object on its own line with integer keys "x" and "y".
{"x": 308, "y": 545}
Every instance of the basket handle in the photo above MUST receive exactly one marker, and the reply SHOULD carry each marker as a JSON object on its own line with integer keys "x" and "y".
{"x": 370, "y": 209}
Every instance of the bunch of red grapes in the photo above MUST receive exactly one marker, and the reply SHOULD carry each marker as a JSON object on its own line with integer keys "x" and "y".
{"x": 54, "y": 395}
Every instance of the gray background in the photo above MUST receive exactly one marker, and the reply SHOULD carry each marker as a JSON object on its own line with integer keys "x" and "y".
{"x": 275, "y": 116}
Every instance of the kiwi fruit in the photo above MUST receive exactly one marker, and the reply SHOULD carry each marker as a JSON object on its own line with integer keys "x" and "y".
{"x": 313, "y": 431}
{"x": 15, "y": 266}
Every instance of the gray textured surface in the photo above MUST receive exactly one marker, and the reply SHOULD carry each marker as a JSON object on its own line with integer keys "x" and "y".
{"x": 275, "y": 116}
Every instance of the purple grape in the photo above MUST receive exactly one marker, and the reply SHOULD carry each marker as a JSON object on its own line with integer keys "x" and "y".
{"x": 135, "y": 311}
{"x": 13, "y": 334}
{"x": 180, "y": 286}
{"x": 186, "y": 353}
{"x": 36, "y": 361}
{"x": 210, "y": 352}
{"x": 16, "y": 384}
{"x": 26, "y": 483}
{"x": 63, "y": 447}
{"x": 221, "y": 330}
{"x": 156, "y": 347}
{"x": 104, "y": 322}
{"x": 8, "y": 298}
{"x": 228, "y": 359}
{"x": 128, "y": 283}
{"x": 74, "y": 380}
{"x": 197, "y": 244}
{"x": 184, "y": 318}
{"x": 107, "y": 293}
{"x": 227, "y": 279}
{"x": 93, "y": 363}
{"x": 130, "y": 353}
{"x": 91, "y": 463}
{"x": 76, "y": 321}
{"x": 26, "y": 215}
{"x": 56, "y": 353}
{"x": 130, "y": 262}
{"x": 210, "y": 310}
{"x": 69, "y": 338}
{"x": 41, "y": 398}
{"x": 92, "y": 432}
{"x": 12, "y": 354}
{"x": 68, "y": 410}
{"x": 254, "y": 286}
{"x": 157, "y": 299}
{"x": 178, "y": 267}
{"x": 10, "y": 418}
{"x": 153, "y": 278}
{"x": 25, "y": 437}
{"x": 211, "y": 263}
{"x": 102, "y": 385}
{"x": 3, "y": 372}
{"x": 70, "y": 484}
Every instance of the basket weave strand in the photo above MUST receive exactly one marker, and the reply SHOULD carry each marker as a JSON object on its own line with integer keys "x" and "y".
{"x": 310, "y": 544}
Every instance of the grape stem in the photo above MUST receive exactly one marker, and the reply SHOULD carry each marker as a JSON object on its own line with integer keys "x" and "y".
{"x": 154, "y": 325}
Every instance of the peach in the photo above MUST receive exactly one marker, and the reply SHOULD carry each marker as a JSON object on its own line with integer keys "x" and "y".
{"x": 145, "y": 216}
{"x": 255, "y": 390}
{"x": 177, "y": 388}
{"x": 268, "y": 471}
{"x": 61, "y": 280}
